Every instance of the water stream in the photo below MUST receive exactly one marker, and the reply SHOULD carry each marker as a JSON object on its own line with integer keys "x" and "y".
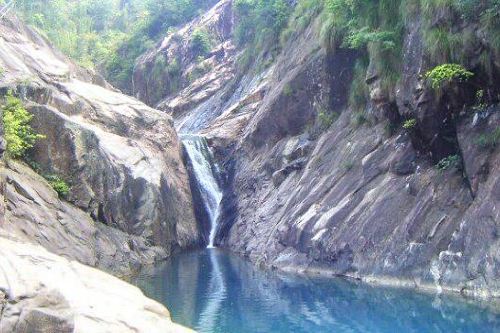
{"x": 205, "y": 171}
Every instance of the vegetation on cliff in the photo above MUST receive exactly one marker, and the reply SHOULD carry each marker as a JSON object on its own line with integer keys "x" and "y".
{"x": 16, "y": 123}
{"x": 108, "y": 35}
{"x": 20, "y": 137}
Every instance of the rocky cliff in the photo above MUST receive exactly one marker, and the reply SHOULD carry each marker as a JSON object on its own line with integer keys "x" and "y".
{"x": 129, "y": 201}
{"x": 354, "y": 194}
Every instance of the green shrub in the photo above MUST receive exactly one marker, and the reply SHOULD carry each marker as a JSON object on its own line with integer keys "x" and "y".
{"x": 301, "y": 17}
{"x": 326, "y": 119}
{"x": 174, "y": 68}
{"x": 410, "y": 124}
{"x": 16, "y": 122}
{"x": 360, "y": 38}
{"x": 452, "y": 161}
{"x": 58, "y": 184}
{"x": 260, "y": 23}
{"x": 200, "y": 43}
{"x": 489, "y": 140}
{"x": 447, "y": 73}
{"x": 443, "y": 45}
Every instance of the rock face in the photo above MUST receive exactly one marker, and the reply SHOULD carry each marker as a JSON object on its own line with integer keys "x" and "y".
{"x": 36, "y": 214}
{"x": 193, "y": 82}
{"x": 130, "y": 200}
{"x": 346, "y": 197}
{"x": 2, "y": 180}
{"x": 41, "y": 292}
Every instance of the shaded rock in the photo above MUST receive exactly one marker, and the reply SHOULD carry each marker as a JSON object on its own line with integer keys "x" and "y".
{"x": 474, "y": 136}
{"x": 35, "y": 214}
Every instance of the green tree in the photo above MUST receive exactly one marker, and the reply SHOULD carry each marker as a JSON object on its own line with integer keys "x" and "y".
{"x": 200, "y": 43}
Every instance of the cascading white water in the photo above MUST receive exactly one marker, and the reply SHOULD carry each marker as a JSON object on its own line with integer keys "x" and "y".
{"x": 204, "y": 170}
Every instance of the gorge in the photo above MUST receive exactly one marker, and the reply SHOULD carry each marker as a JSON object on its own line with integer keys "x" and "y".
{"x": 262, "y": 166}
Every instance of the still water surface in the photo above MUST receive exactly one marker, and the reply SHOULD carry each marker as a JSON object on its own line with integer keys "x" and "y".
{"x": 213, "y": 291}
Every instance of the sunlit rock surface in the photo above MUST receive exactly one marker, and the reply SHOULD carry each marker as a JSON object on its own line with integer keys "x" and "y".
{"x": 42, "y": 292}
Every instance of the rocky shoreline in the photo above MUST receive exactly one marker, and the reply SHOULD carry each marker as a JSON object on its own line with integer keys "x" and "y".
{"x": 42, "y": 292}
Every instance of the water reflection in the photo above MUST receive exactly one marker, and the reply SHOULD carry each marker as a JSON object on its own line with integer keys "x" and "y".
{"x": 212, "y": 291}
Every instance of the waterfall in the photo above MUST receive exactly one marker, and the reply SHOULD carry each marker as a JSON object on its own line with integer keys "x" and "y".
{"x": 205, "y": 172}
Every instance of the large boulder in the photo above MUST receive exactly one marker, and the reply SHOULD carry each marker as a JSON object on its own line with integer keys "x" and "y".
{"x": 43, "y": 293}
{"x": 35, "y": 214}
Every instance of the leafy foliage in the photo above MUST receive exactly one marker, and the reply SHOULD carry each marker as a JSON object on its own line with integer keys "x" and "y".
{"x": 410, "y": 124}
{"x": 16, "y": 122}
{"x": 452, "y": 161}
{"x": 108, "y": 35}
{"x": 263, "y": 16}
{"x": 55, "y": 181}
{"x": 301, "y": 17}
{"x": 447, "y": 73}
{"x": 200, "y": 42}
{"x": 326, "y": 119}
{"x": 58, "y": 184}
{"x": 260, "y": 23}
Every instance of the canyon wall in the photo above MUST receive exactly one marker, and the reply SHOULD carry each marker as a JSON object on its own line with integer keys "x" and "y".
{"x": 129, "y": 201}
{"x": 356, "y": 195}
{"x": 128, "y": 205}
